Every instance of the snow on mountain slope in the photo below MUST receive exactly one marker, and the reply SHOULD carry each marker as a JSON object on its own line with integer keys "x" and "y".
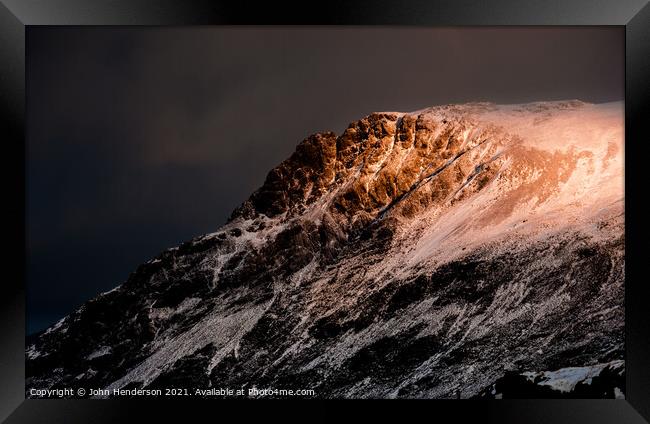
{"x": 566, "y": 168}
{"x": 595, "y": 381}
{"x": 415, "y": 255}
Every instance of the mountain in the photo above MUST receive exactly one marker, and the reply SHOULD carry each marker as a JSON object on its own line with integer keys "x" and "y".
{"x": 430, "y": 254}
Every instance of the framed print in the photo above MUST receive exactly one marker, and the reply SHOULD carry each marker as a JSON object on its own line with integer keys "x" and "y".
{"x": 440, "y": 204}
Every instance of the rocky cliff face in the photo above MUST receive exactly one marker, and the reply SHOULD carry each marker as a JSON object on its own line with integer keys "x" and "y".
{"x": 425, "y": 254}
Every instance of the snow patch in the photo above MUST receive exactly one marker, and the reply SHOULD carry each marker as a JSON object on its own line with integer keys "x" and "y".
{"x": 102, "y": 351}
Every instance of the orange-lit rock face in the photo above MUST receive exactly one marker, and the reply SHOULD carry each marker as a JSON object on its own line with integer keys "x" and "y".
{"x": 376, "y": 162}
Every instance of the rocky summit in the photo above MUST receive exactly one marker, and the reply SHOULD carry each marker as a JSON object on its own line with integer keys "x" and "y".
{"x": 471, "y": 250}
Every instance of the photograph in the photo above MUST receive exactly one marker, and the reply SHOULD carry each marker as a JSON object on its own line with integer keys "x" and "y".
{"x": 328, "y": 212}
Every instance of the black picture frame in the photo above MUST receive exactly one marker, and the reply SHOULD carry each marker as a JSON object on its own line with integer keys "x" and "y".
{"x": 16, "y": 16}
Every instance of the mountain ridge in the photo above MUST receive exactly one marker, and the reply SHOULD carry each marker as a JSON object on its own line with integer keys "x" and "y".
{"x": 372, "y": 263}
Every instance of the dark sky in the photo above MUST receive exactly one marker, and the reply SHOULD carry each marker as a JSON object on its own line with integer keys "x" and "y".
{"x": 142, "y": 138}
